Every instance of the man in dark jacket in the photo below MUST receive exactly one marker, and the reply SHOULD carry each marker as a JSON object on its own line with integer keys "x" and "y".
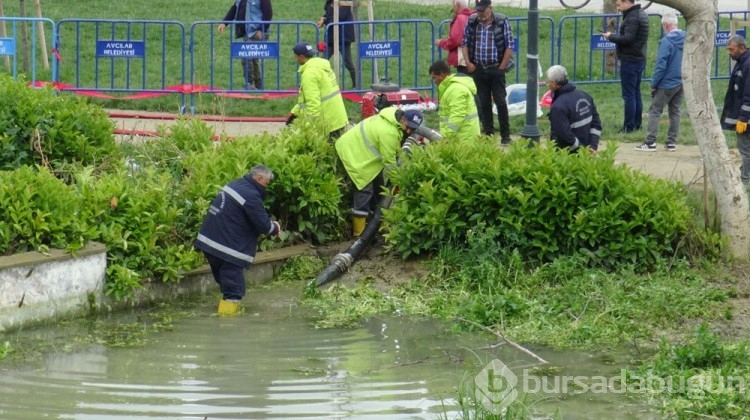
{"x": 666, "y": 85}
{"x": 630, "y": 45}
{"x": 252, "y": 12}
{"x": 229, "y": 235}
{"x": 736, "y": 110}
{"x": 346, "y": 37}
{"x": 487, "y": 48}
{"x": 573, "y": 117}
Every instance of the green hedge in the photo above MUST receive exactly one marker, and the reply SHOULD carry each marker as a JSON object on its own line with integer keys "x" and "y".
{"x": 40, "y": 127}
{"x": 542, "y": 202}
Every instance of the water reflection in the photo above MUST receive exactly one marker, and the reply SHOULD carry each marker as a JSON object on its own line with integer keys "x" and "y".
{"x": 274, "y": 365}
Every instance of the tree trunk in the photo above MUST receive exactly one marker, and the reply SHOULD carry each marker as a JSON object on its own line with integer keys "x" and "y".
{"x": 722, "y": 171}
{"x": 608, "y": 25}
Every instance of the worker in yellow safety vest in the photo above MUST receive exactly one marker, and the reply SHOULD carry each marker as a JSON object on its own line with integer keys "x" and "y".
{"x": 319, "y": 93}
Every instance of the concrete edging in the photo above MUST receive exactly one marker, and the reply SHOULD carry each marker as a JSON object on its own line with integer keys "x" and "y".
{"x": 42, "y": 287}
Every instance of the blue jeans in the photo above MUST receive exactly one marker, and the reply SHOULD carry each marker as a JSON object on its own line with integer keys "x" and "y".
{"x": 631, "y": 73}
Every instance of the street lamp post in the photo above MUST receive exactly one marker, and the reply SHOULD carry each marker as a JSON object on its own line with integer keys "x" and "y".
{"x": 531, "y": 129}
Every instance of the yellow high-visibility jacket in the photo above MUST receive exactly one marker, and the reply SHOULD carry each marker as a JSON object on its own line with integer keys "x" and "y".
{"x": 457, "y": 109}
{"x": 319, "y": 94}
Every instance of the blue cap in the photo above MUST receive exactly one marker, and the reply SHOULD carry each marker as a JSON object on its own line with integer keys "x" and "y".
{"x": 414, "y": 118}
{"x": 304, "y": 48}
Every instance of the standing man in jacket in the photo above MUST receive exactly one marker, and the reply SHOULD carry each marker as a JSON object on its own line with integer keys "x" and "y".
{"x": 452, "y": 44}
{"x": 736, "y": 110}
{"x": 666, "y": 85}
{"x": 346, "y": 36}
{"x": 573, "y": 118}
{"x": 630, "y": 44}
{"x": 368, "y": 149}
{"x": 253, "y": 12}
{"x": 229, "y": 235}
{"x": 457, "y": 111}
{"x": 488, "y": 49}
{"x": 319, "y": 93}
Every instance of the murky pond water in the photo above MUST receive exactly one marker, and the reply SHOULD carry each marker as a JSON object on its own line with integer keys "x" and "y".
{"x": 270, "y": 363}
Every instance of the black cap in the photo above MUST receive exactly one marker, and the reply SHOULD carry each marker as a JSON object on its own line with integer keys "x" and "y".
{"x": 304, "y": 48}
{"x": 480, "y": 5}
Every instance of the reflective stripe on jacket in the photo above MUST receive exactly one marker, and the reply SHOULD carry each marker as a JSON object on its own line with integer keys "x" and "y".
{"x": 458, "y": 109}
{"x": 234, "y": 221}
{"x": 319, "y": 94}
{"x": 737, "y": 99}
{"x": 574, "y": 120}
{"x": 370, "y": 146}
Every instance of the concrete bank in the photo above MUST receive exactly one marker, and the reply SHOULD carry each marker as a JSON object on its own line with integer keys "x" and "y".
{"x": 43, "y": 287}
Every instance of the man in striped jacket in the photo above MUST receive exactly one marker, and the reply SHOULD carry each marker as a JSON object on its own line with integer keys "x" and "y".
{"x": 574, "y": 121}
{"x": 229, "y": 235}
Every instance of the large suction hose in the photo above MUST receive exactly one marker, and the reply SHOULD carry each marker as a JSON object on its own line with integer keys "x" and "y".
{"x": 341, "y": 262}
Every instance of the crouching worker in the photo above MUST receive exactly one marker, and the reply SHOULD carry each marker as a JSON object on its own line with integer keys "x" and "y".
{"x": 574, "y": 121}
{"x": 367, "y": 149}
{"x": 229, "y": 235}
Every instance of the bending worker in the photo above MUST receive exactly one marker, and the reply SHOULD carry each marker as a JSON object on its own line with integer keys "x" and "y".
{"x": 574, "y": 121}
{"x": 369, "y": 148}
{"x": 229, "y": 235}
{"x": 319, "y": 93}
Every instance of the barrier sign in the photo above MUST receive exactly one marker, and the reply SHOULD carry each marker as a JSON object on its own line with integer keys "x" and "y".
{"x": 722, "y": 37}
{"x": 255, "y": 50}
{"x": 598, "y": 42}
{"x": 123, "y": 49}
{"x": 7, "y": 46}
{"x": 380, "y": 49}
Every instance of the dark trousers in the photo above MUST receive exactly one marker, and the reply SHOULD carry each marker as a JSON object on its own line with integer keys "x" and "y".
{"x": 251, "y": 70}
{"x": 346, "y": 55}
{"x": 367, "y": 200}
{"x": 230, "y": 277}
{"x": 631, "y": 73}
{"x": 490, "y": 82}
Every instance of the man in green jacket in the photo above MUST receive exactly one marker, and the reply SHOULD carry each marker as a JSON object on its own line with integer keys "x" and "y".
{"x": 367, "y": 149}
{"x": 457, "y": 103}
{"x": 319, "y": 93}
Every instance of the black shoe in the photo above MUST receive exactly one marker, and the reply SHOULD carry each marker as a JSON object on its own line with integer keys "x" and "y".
{"x": 624, "y": 130}
{"x": 505, "y": 141}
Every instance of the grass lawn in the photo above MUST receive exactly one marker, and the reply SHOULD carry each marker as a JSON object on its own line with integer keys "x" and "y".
{"x": 416, "y": 51}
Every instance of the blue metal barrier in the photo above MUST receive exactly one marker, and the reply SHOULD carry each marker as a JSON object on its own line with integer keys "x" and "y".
{"x": 388, "y": 49}
{"x": 123, "y": 57}
{"x": 12, "y": 46}
{"x": 722, "y": 65}
{"x": 217, "y": 61}
{"x": 588, "y": 61}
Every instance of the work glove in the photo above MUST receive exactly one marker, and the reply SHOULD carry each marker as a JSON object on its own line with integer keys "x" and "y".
{"x": 741, "y": 127}
{"x": 278, "y": 228}
{"x": 290, "y": 118}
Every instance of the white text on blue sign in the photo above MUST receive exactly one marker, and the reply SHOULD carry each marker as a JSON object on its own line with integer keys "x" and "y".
{"x": 255, "y": 50}
{"x": 115, "y": 48}
{"x": 380, "y": 49}
{"x": 598, "y": 42}
{"x": 7, "y": 46}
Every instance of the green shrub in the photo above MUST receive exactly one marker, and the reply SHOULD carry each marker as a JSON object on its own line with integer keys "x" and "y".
{"x": 542, "y": 202}
{"x": 38, "y": 212}
{"x": 304, "y": 195}
{"x": 40, "y": 127}
{"x": 135, "y": 214}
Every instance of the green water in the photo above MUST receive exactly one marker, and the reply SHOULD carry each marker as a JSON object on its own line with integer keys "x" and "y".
{"x": 271, "y": 363}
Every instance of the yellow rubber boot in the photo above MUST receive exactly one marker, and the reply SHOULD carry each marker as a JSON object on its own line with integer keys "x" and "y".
{"x": 228, "y": 307}
{"x": 358, "y": 225}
